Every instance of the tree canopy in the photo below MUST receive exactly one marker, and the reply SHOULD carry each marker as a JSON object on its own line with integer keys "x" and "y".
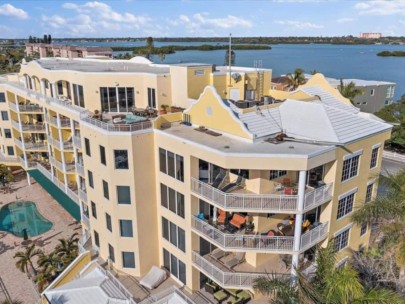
{"x": 395, "y": 113}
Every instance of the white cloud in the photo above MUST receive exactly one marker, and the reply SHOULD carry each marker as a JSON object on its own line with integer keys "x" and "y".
{"x": 299, "y": 25}
{"x": 381, "y": 7}
{"x": 345, "y": 20}
{"x": 204, "y": 24}
{"x": 402, "y": 22}
{"x": 94, "y": 16}
{"x": 11, "y": 11}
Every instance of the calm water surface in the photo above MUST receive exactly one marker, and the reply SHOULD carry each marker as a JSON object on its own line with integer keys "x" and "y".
{"x": 338, "y": 61}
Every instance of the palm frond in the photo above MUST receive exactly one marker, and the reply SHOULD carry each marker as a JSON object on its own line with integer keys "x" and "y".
{"x": 379, "y": 296}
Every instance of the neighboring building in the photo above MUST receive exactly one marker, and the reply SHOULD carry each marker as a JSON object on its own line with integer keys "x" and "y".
{"x": 376, "y": 94}
{"x": 370, "y": 35}
{"x": 220, "y": 191}
{"x": 66, "y": 51}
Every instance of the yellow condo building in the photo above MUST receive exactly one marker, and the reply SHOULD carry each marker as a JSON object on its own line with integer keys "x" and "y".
{"x": 201, "y": 170}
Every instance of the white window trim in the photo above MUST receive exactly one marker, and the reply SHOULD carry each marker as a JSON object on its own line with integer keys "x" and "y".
{"x": 371, "y": 181}
{"x": 354, "y": 154}
{"x": 342, "y": 261}
{"x": 376, "y": 146}
{"x": 343, "y": 195}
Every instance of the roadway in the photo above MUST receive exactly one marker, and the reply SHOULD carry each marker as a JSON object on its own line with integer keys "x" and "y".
{"x": 391, "y": 166}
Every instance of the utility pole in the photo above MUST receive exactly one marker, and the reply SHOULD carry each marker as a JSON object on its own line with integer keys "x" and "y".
{"x": 230, "y": 58}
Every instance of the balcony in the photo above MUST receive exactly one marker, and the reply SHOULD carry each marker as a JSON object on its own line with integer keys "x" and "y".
{"x": 55, "y": 142}
{"x": 68, "y": 145}
{"x": 16, "y": 125}
{"x": 118, "y": 127}
{"x": 77, "y": 141}
{"x": 57, "y": 164}
{"x": 33, "y": 127}
{"x": 225, "y": 277}
{"x": 255, "y": 242}
{"x": 37, "y": 146}
{"x": 80, "y": 169}
{"x": 64, "y": 122}
{"x": 85, "y": 219}
{"x": 274, "y": 203}
{"x": 25, "y": 108}
{"x": 83, "y": 195}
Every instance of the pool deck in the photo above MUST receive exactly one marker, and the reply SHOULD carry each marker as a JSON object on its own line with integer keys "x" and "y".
{"x": 17, "y": 283}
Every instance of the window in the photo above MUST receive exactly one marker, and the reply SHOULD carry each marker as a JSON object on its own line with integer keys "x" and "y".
{"x": 108, "y": 221}
{"x": 111, "y": 254}
{"x": 96, "y": 239}
{"x": 387, "y": 102}
{"x": 171, "y": 164}
{"x": 345, "y": 205}
{"x": 174, "y": 265}
{"x": 102, "y": 155}
{"x": 78, "y": 95}
{"x": 372, "y": 91}
{"x": 10, "y": 150}
{"x": 174, "y": 234}
{"x": 2, "y": 97}
{"x": 87, "y": 146}
{"x": 124, "y": 195}
{"x": 172, "y": 200}
{"x": 369, "y": 192}
{"x": 121, "y": 159}
{"x": 199, "y": 72}
{"x": 350, "y": 167}
{"x": 105, "y": 190}
{"x": 241, "y": 172}
{"x": 7, "y": 133}
{"x": 128, "y": 259}
{"x": 126, "y": 228}
{"x": 341, "y": 240}
{"x": 363, "y": 229}
{"x": 117, "y": 99}
{"x": 274, "y": 174}
{"x": 93, "y": 210}
{"x": 4, "y": 115}
{"x": 162, "y": 160}
{"x": 374, "y": 157}
{"x": 152, "y": 98}
{"x": 90, "y": 178}
{"x": 60, "y": 88}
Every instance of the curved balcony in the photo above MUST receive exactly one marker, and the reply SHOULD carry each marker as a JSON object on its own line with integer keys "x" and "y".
{"x": 274, "y": 203}
{"x": 258, "y": 243}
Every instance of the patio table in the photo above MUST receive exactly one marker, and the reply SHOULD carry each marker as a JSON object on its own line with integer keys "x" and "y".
{"x": 220, "y": 295}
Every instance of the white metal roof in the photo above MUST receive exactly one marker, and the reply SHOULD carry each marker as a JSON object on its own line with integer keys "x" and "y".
{"x": 94, "y": 287}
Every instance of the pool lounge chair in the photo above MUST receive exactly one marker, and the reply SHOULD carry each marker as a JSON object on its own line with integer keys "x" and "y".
{"x": 219, "y": 179}
{"x": 232, "y": 186}
{"x": 154, "y": 278}
{"x": 218, "y": 253}
{"x": 239, "y": 258}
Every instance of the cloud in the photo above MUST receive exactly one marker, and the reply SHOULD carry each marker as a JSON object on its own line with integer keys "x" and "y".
{"x": 204, "y": 24}
{"x": 94, "y": 16}
{"x": 345, "y": 20}
{"x": 381, "y": 7}
{"x": 299, "y": 25}
{"x": 11, "y": 11}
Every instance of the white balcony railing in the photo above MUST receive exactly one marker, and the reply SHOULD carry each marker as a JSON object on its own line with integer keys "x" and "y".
{"x": 77, "y": 141}
{"x": 82, "y": 195}
{"x": 118, "y": 127}
{"x": 57, "y": 164}
{"x": 16, "y": 125}
{"x": 19, "y": 143}
{"x": 13, "y": 106}
{"x": 72, "y": 195}
{"x": 225, "y": 278}
{"x": 38, "y": 146}
{"x": 240, "y": 201}
{"x": 64, "y": 122}
{"x": 55, "y": 142}
{"x": 261, "y": 202}
{"x": 68, "y": 145}
{"x": 85, "y": 220}
{"x": 314, "y": 236}
{"x": 80, "y": 169}
{"x": 30, "y": 108}
{"x": 242, "y": 241}
{"x": 70, "y": 167}
{"x": 5, "y": 159}
{"x": 33, "y": 127}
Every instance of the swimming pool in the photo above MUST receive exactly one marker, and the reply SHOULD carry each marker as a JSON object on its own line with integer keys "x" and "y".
{"x": 21, "y": 216}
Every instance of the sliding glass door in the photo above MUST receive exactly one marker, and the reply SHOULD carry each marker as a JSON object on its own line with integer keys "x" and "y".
{"x": 117, "y": 99}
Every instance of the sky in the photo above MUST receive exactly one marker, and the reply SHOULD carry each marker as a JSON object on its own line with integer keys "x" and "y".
{"x": 197, "y": 18}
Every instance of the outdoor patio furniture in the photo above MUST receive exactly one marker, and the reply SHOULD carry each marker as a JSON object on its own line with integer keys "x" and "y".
{"x": 232, "y": 186}
{"x": 233, "y": 292}
{"x": 117, "y": 119}
{"x": 271, "y": 232}
{"x": 234, "y": 300}
{"x": 154, "y": 278}
{"x": 221, "y": 216}
{"x": 220, "y": 295}
{"x": 219, "y": 178}
{"x": 237, "y": 221}
{"x": 239, "y": 258}
{"x": 130, "y": 118}
{"x": 288, "y": 191}
{"x": 218, "y": 253}
{"x": 287, "y": 182}
{"x": 244, "y": 295}
{"x": 288, "y": 230}
{"x": 211, "y": 287}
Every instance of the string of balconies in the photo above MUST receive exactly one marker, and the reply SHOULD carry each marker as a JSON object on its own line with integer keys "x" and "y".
{"x": 32, "y": 127}
{"x": 268, "y": 203}
{"x": 260, "y": 243}
{"x": 24, "y": 108}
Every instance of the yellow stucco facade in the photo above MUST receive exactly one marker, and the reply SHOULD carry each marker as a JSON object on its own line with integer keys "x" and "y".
{"x": 140, "y": 186}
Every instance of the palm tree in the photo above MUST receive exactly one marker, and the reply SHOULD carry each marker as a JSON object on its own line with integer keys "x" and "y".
{"x": 67, "y": 249}
{"x": 388, "y": 213}
{"x": 11, "y": 302}
{"x": 328, "y": 284}
{"x": 24, "y": 259}
{"x": 5, "y": 175}
{"x": 43, "y": 278}
{"x": 349, "y": 90}
{"x": 294, "y": 80}
{"x": 49, "y": 262}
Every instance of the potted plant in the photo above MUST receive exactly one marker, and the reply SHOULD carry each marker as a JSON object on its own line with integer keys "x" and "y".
{"x": 164, "y": 109}
{"x": 175, "y": 109}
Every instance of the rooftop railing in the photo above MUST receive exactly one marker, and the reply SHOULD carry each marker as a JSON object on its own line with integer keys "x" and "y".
{"x": 118, "y": 127}
{"x": 166, "y": 294}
